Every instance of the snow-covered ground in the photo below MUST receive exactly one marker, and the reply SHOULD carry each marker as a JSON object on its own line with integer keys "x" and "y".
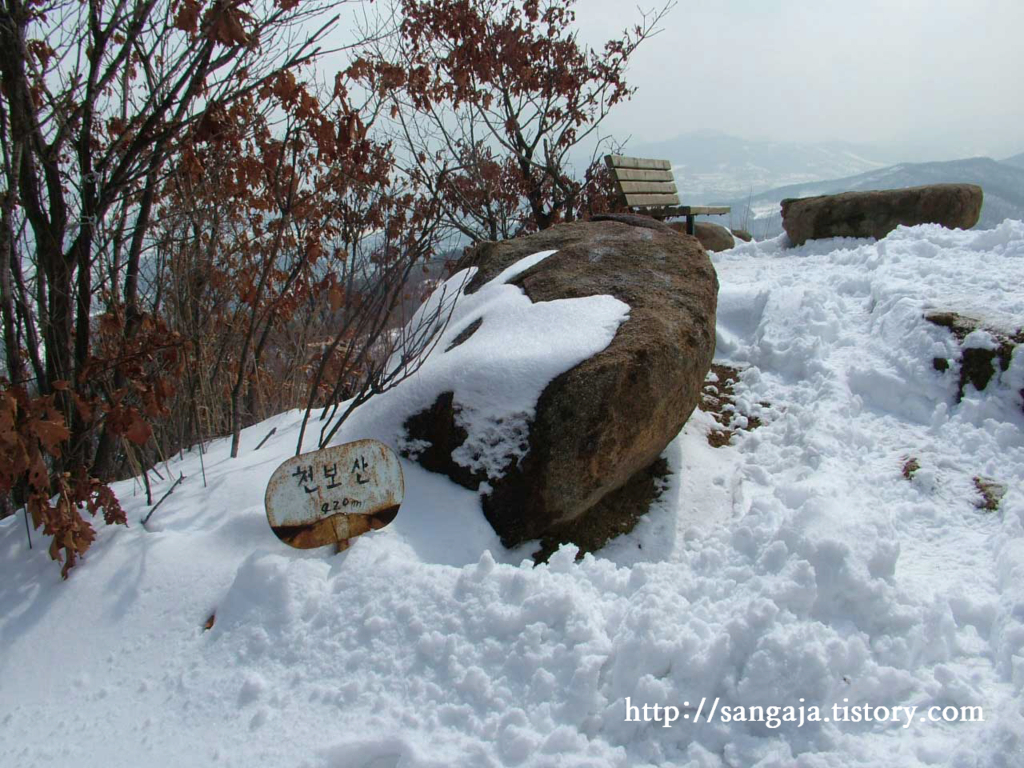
{"x": 795, "y": 567}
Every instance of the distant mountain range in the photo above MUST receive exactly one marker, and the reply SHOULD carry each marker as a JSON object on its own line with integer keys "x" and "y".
{"x": 713, "y": 167}
{"x": 1002, "y": 182}
{"x": 1016, "y": 160}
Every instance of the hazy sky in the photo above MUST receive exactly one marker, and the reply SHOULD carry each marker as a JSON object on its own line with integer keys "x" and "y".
{"x": 947, "y": 75}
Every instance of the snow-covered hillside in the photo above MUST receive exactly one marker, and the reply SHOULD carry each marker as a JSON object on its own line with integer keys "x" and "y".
{"x": 805, "y": 565}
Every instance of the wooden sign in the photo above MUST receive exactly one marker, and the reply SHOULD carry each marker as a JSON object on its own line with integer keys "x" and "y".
{"x": 334, "y": 495}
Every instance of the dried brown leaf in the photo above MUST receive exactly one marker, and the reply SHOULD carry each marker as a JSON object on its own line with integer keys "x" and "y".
{"x": 51, "y": 434}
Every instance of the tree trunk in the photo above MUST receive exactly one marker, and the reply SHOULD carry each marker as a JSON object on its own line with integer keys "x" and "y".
{"x": 12, "y": 348}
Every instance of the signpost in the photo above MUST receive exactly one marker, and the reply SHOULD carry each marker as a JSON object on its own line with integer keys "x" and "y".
{"x": 333, "y": 495}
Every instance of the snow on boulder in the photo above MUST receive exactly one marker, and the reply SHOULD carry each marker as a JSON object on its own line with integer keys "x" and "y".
{"x": 579, "y": 463}
{"x": 876, "y": 213}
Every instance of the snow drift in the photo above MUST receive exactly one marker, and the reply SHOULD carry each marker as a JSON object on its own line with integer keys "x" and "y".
{"x": 796, "y": 566}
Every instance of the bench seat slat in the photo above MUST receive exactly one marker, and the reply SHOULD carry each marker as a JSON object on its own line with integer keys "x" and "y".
{"x": 647, "y": 201}
{"x": 639, "y": 163}
{"x": 632, "y": 174}
{"x": 648, "y": 187}
{"x": 707, "y": 210}
{"x": 689, "y": 210}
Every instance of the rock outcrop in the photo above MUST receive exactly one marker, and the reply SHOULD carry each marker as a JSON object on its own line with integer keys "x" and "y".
{"x": 877, "y": 213}
{"x": 599, "y": 428}
{"x": 979, "y": 362}
{"x": 714, "y": 237}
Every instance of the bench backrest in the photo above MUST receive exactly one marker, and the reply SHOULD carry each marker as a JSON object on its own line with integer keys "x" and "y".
{"x": 643, "y": 183}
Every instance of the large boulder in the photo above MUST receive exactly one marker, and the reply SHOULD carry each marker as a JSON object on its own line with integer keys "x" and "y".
{"x": 635, "y": 220}
{"x": 879, "y": 212}
{"x": 599, "y": 428}
{"x": 714, "y": 237}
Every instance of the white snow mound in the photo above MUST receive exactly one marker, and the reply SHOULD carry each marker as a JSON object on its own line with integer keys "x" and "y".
{"x": 795, "y": 567}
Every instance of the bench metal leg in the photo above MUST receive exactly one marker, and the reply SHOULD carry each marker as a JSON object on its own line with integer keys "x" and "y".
{"x": 689, "y": 224}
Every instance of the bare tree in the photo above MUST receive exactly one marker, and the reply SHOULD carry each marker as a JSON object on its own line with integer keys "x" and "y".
{"x": 97, "y": 97}
{"x": 103, "y": 103}
{"x": 488, "y": 99}
{"x": 376, "y": 346}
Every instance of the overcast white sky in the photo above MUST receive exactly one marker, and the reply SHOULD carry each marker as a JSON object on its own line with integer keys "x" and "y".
{"x": 946, "y": 74}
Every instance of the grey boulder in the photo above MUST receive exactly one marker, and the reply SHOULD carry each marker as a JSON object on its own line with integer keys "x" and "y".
{"x": 877, "y": 213}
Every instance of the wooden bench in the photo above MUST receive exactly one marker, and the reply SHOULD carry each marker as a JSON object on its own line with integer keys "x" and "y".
{"x": 648, "y": 186}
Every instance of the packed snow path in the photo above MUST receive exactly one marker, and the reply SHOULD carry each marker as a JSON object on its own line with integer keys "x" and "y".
{"x": 796, "y": 566}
